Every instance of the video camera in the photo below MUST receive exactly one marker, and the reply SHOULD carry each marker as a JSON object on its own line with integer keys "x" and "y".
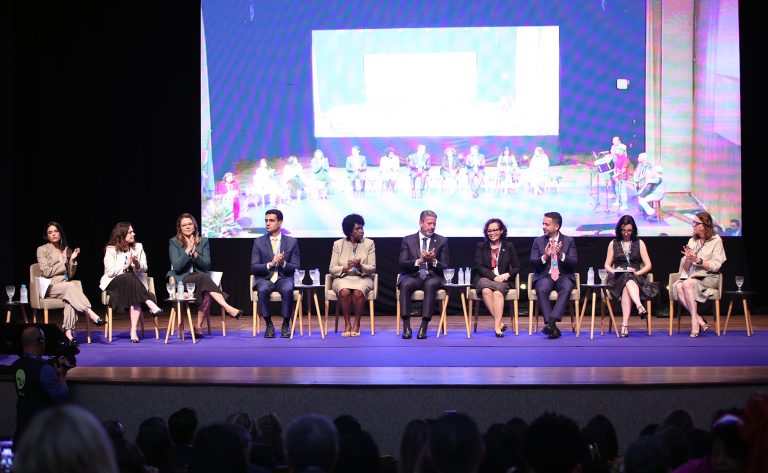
{"x": 58, "y": 349}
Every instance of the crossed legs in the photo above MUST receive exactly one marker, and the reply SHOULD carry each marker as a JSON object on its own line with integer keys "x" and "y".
{"x": 630, "y": 295}
{"x": 686, "y": 294}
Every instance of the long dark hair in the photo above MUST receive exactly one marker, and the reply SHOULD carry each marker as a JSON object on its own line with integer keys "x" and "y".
{"x": 63, "y": 241}
{"x": 117, "y": 238}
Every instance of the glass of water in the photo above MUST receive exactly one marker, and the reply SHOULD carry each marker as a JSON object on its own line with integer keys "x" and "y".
{"x": 302, "y": 273}
{"x": 449, "y": 273}
{"x": 315, "y": 275}
{"x": 10, "y": 291}
{"x": 190, "y": 288}
{"x": 739, "y": 282}
{"x": 603, "y": 273}
{"x": 170, "y": 287}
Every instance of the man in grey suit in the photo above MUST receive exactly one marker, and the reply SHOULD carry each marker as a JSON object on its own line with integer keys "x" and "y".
{"x": 274, "y": 259}
{"x": 423, "y": 256}
{"x": 553, "y": 260}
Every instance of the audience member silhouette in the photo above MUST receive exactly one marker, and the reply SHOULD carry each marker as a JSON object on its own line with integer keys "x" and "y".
{"x": 65, "y": 439}
{"x": 602, "y": 445}
{"x": 358, "y": 453}
{"x": 182, "y": 426}
{"x": 346, "y": 424}
{"x": 154, "y": 440}
{"x": 114, "y": 429}
{"x": 676, "y": 444}
{"x": 311, "y": 444}
{"x": 129, "y": 458}
{"x": 645, "y": 455}
{"x": 553, "y": 444}
{"x": 415, "y": 436}
{"x": 223, "y": 448}
{"x": 271, "y": 428}
{"x": 455, "y": 444}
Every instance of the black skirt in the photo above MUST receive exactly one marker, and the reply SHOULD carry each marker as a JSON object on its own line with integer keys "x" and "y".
{"x": 203, "y": 284}
{"x": 127, "y": 290}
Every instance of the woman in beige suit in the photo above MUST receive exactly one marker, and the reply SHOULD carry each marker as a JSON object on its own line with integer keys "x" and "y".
{"x": 699, "y": 269}
{"x": 353, "y": 264}
{"x": 58, "y": 262}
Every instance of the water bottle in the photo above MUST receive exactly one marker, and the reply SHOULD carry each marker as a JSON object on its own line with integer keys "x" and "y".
{"x": 591, "y": 276}
{"x": 180, "y": 290}
{"x": 467, "y": 276}
{"x": 296, "y": 278}
{"x": 316, "y": 277}
{"x": 23, "y": 297}
{"x": 461, "y": 276}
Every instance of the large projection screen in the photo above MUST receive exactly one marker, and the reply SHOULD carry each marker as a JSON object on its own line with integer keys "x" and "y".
{"x": 325, "y": 108}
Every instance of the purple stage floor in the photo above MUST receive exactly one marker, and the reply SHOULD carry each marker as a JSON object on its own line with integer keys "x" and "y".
{"x": 385, "y": 349}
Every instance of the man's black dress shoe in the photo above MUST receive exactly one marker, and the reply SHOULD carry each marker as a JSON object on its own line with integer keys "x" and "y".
{"x": 269, "y": 332}
{"x": 422, "y": 333}
{"x": 73, "y": 342}
{"x": 555, "y": 333}
{"x": 547, "y": 329}
{"x": 407, "y": 333}
{"x": 285, "y": 331}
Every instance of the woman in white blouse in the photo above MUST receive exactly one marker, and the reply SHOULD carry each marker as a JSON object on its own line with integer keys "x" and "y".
{"x": 125, "y": 276}
{"x": 699, "y": 269}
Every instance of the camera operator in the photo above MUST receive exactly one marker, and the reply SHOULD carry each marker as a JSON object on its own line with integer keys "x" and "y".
{"x": 40, "y": 383}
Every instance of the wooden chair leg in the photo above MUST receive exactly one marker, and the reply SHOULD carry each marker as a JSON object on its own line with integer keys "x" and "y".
{"x": 530, "y": 317}
{"x": 671, "y": 314}
{"x": 157, "y": 329}
{"x": 517, "y": 316}
{"x": 223, "y": 323}
{"x": 397, "y": 314}
{"x": 88, "y": 327}
{"x": 370, "y": 307}
{"x": 110, "y": 323}
{"x": 45, "y": 316}
{"x": 327, "y": 307}
{"x": 648, "y": 317}
{"x": 141, "y": 321}
{"x": 717, "y": 317}
{"x": 256, "y": 324}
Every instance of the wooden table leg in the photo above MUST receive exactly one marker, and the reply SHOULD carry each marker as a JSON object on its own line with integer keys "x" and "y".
{"x": 728, "y": 316}
{"x": 319, "y": 320}
{"x": 592, "y": 328}
{"x": 191, "y": 324}
{"x": 464, "y": 307}
{"x": 296, "y": 312}
{"x": 747, "y": 316}
{"x": 610, "y": 311}
{"x": 443, "y": 319}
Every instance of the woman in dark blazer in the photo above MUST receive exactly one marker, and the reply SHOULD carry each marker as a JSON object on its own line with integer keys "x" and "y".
{"x": 496, "y": 265}
{"x": 190, "y": 256}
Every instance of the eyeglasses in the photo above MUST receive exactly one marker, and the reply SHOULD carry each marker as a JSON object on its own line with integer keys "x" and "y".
{"x": 493, "y": 230}
{"x": 695, "y": 223}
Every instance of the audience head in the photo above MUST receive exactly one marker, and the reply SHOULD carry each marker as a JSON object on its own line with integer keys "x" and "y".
{"x": 500, "y": 224}
{"x": 154, "y": 440}
{"x": 358, "y": 452}
{"x": 311, "y": 441}
{"x": 54, "y": 234}
{"x": 74, "y": 440}
{"x": 223, "y": 448}
{"x": 349, "y": 222}
{"x": 729, "y": 451}
{"x": 502, "y": 450}
{"x": 128, "y": 457}
{"x": 548, "y": 430}
{"x": 706, "y": 223}
{"x": 346, "y": 423}
{"x": 412, "y": 443}
{"x": 680, "y": 419}
{"x": 455, "y": 444}
{"x": 645, "y": 455}
{"x": 626, "y": 223}
{"x": 182, "y": 426}
{"x": 676, "y": 444}
{"x": 605, "y": 435}
{"x": 114, "y": 429}
{"x": 271, "y": 429}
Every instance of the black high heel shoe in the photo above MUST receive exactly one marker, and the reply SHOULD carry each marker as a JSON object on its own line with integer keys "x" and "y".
{"x": 99, "y": 322}
{"x": 624, "y": 331}
{"x": 499, "y": 334}
{"x": 238, "y": 315}
{"x": 158, "y": 313}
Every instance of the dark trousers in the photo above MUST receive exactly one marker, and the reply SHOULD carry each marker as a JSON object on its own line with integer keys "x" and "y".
{"x": 409, "y": 284}
{"x": 284, "y": 286}
{"x": 544, "y": 286}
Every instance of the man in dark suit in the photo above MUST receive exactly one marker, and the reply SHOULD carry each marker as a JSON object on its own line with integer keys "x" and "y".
{"x": 553, "y": 259}
{"x": 423, "y": 256}
{"x": 274, "y": 259}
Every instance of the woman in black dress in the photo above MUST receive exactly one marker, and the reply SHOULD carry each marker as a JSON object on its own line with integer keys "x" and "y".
{"x": 627, "y": 262}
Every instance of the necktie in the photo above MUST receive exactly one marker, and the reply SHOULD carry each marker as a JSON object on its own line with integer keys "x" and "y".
{"x": 554, "y": 272}
{"x": 423, "y": 267}
{"x": 273, "y": 278}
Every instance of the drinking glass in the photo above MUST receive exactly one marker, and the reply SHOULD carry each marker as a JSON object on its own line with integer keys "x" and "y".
{"x": 170, "y": 287}
{"x": 602, "y": 273}
{"x": 739, "y": 282}
{"x": 448, "y": 273}
{"x": 302, "y": 273}
{"x": 190, "y": 288}
{"x": 10, "y": 290}
{"x": 315, "y": 275}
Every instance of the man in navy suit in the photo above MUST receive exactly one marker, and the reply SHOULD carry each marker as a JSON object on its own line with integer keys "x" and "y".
{"x": 423, "y": 256}
{"x": 274, "y": 259}
{"x": 553, "y": 259}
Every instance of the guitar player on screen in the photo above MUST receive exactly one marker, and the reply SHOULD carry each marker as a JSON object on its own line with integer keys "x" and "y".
{"x": 649, "y": 182}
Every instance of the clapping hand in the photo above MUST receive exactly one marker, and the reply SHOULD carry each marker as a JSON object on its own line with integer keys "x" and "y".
{"x": 191, "y": 246}
{"x": 279, "y": 258}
